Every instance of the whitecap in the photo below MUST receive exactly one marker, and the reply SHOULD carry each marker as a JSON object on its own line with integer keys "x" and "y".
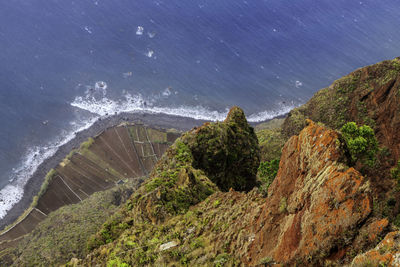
{"x": 139, "y": 30}
{"x": 88, "y": 29}
{"x": 151, "y": 34}
{"x": 167, "y": 92}
{"x": 150, "y": 53}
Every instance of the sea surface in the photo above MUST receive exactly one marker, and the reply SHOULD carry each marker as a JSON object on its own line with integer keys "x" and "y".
{"x": 64, "y": 64}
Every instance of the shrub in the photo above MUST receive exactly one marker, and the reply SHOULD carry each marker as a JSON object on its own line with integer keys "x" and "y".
{"x": 267, "y": 172}
{"x": 361, "y": 143}
{"x": 396, "y": 173}
{"x": 86, "y": 144}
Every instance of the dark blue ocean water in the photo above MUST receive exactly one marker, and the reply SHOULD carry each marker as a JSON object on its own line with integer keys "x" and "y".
{"x": 193, "y": 58}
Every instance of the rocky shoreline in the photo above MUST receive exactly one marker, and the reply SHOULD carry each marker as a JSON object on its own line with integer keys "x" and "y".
{"x": 34, "y": 184}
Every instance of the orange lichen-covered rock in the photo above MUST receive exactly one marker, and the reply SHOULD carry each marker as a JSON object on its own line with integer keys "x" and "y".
{"x": 375, "y": 228}
{"x": 314, "y": 202}
{"x": 369, "y": 235}
{"x": 386, "y": 253}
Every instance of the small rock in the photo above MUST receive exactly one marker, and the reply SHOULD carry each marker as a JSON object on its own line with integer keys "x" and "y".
{"x": 168, "y": 245}
{"x": 191, "y": 230}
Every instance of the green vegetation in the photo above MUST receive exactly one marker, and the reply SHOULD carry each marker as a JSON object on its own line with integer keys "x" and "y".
{"x": 361, "y": 143}
{"x": 395, "y": 172}
{"x": 174, "y": 187}
{"x": 45, "y": 185}
{"x": 267, "y": 172}
{"x": 227, "y": 152}
{"x": 85, "y": 145}
{"x": 117, "y": 263}
{"x": 345, "y": 100}
{"x": 270, "y": 125}
{"x": 271, "y": 142}
{"x": 63, "y": 234}
{"x": 180, "y": 217}
{"x": 43, "y": 188}
{"x": 221, "y": 260}
{"x": 195, "y": 236}
{"x": 223, "y": 154}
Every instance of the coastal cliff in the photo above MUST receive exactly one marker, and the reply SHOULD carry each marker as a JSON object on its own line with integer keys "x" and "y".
{"x": 321, "y": 189}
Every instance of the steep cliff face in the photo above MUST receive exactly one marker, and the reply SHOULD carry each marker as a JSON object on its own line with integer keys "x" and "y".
{"x": 200, "y": 207}
{"x": 312, "y": 214}
{"x": 314, "y": 202}
{"x": 370, "y": 95}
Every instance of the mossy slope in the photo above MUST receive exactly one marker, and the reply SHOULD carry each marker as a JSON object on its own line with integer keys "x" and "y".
{"x": 216, "y": 156}
{"x": 64, "y": 233}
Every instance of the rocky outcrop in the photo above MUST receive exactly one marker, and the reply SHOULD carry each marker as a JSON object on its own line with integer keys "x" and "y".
{"x": 314, "y": 203}
{"x": 370, "y": 95}
{"x": 213, "y": 157}
{"x": 199, "y": 207}
{"x": 312, "y": 214}
{"x": 228, "y": 152}
{"x": 386, "y": 253}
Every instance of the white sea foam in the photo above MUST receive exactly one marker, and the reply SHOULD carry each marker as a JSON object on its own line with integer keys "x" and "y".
{"x": 13, "y": 192}
{"x": 137, "y": 103}
{"x": 167, "y": 92}
{"x": 270, "y": 114}
{"x": 150, "y": 53}
{"x": 101, "y": 86}
{"x": 88, "y": 29}
{"x": 139, "y": 30}
{"x": 95, "y": 101}
{"x": 9, "y": 196}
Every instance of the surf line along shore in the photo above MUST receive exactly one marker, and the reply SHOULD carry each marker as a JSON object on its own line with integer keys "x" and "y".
{"x": 35, "y": 182}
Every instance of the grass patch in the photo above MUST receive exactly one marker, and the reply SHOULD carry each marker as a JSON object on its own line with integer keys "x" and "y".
{"x": 63, "y": 234}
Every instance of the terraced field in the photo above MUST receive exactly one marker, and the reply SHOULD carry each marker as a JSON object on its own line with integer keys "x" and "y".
{"x": 127, "y": 151}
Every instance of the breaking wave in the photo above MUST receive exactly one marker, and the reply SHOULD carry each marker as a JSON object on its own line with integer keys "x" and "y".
{"x": 138, "y": 103}
{"x": 13, "y": 192}
{"x": 96, "y": 102}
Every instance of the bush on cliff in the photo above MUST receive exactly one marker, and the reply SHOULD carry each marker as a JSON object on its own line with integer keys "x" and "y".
{"x": 361, "y": 143}
{"x": 267, "y": 172}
